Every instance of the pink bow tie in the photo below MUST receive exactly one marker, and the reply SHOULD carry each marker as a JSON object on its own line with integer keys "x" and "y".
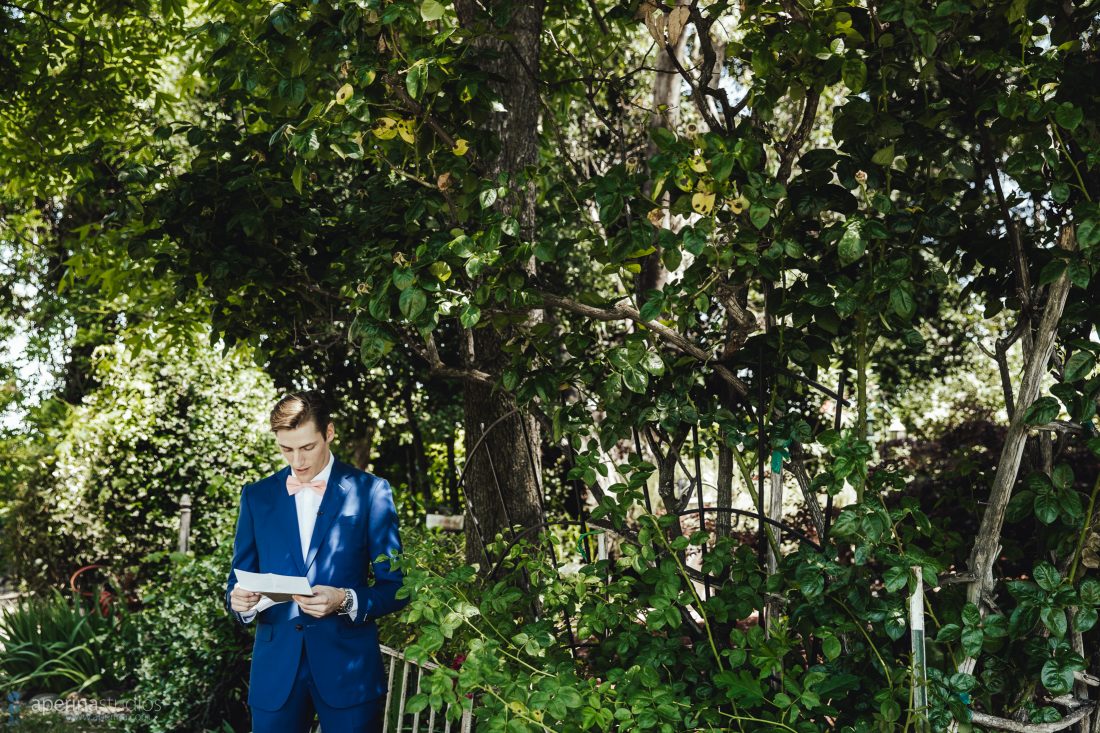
{"x": 293, "y": 485}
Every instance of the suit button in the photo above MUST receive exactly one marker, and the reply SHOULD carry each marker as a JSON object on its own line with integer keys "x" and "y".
{"x": 297, "y": 627}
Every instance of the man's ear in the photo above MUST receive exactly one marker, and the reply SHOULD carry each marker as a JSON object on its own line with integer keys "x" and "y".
{"x": 330, "y": 433}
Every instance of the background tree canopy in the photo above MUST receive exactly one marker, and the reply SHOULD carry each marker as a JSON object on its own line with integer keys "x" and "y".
{"x": 589, "y": 245}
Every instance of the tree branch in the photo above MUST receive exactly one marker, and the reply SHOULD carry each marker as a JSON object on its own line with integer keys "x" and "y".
{"x": 621, "y": 312}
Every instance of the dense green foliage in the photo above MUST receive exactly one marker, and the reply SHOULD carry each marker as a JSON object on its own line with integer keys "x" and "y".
{"x": 62, "y": 645}
{"x": 173, "y": 418}
{"x": 825, "y": 188}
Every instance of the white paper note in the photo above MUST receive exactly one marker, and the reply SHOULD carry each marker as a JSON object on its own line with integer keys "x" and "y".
{"x": 278, "y": 588}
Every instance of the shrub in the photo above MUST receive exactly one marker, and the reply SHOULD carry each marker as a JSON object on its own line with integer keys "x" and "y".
{"x": 175, "y": 417}
{"x": 191, "y": 660}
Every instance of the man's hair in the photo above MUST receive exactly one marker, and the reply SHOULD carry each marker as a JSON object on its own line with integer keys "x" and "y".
{"x": 298, "y": 408}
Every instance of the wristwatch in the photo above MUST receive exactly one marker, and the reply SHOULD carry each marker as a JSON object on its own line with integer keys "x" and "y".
{"x": 345, "y": 607}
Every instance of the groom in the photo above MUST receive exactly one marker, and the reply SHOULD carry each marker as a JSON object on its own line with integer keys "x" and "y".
{"x": 328, "y": 521}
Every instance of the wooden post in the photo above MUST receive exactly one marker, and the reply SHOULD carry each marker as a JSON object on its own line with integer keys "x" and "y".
{"x": 916, "y": 635}
{"x": 185, "y": 523}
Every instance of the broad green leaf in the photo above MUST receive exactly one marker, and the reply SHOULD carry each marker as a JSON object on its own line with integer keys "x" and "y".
{"x": 851, "y": 246}
{"x": 1085, "y": 619}
{"x": 1062, "y": 476}
{"x": 854, "y": 74}
{"x": 1069, "y": 116}
{"x": 1088, "y": 233}
{"x": 896, "y": 578}
{"x": 1057, "y": 678}
{"x": 759, "y": 214}
{"x": 1079, "y": 366}
{"x": 1089, "y": 592}
{"x": 1047, "y": 576}
{"x": 901, "y": 300}
{"x": 432, "y": 10}
{"x": 1042, "y": 411}
{"x": 971, "y": 639}
{"x": 412, "y": 302}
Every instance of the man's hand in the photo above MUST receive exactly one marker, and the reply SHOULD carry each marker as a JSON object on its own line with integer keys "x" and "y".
{"x": 241, "y": 600}
{"x": 325, "y": 600}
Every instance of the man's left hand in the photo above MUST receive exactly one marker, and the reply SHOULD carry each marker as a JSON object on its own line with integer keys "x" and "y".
{"x": 324, "y": 601}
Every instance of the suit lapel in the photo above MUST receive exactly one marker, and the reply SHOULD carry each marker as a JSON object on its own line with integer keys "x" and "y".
{"x": 339, "y": 483}
{"x": 287, "y": 516}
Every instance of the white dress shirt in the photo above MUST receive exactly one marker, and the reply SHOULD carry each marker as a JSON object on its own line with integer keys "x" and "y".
{"x": 306, "y": 502}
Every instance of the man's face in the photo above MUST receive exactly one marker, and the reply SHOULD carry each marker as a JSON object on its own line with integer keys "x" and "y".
{"x": 305, "y": 448}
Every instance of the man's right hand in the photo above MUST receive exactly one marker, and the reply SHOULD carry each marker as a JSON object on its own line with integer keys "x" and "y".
{"x": 241, "y": 600}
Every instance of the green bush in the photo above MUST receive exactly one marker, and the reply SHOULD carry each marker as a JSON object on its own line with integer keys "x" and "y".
{"x": 654, "y": 653}
{"x": 105, "y": 482}
{"x": 191, "y": 661}
{"x": 54, "y": 644}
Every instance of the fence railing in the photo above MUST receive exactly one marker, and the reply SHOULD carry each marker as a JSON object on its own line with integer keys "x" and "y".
{"x": 425, "y": 721}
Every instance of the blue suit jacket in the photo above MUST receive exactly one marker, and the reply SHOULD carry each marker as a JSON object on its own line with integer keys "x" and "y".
{"x": 356, "y": 523}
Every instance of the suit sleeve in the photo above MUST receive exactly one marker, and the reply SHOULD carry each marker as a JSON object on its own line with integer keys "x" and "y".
{"x": 245, "y": 555}
{"x": 383, "y": 541}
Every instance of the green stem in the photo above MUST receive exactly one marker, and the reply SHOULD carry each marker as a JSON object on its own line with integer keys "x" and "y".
{"x": 1069, "y": 158}
{"x": 859, "y": 625}
{"x": 747, "y": 476}
{"x": 691, "y": 587}
{"x": 1084, "y": 531}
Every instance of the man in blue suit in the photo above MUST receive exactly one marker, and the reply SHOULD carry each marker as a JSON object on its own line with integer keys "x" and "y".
{"x": 330, "y": 522}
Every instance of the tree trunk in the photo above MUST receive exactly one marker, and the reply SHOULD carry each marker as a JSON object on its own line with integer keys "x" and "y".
{"x": 501, "y": 481}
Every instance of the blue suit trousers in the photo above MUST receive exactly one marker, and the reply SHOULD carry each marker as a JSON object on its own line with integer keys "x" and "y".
{"x": 297, "y": 713}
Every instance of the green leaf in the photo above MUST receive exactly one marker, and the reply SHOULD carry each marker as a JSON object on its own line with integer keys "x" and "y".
{"x": 488, "y": 197}
{"x": 412, "y": 303}
{"x": 759, "y": 215}
{"x": 1088, "y": 233}
{"x": 1085, "y": 619}
{"x": 972, "y": 638}
{"x": 851, "y": 246}
{"x": 1042, "y": 411}
{"x": 962, "y": 682}
{"x": 1089, "y": 592}
{"x": 432, "y": 10}
{"x": 296, "y": 177}
{"x": 653, "y": 363}
{"x": 1047, "y": 576}
{"x": 896, "y": 578}
{"x": 1079, "y": 366}
{"x": 854, "y": 74}
{"x": 415, "y": 79}
{"x": 1079, "y": 274}
{"x": 901, "y": 300}
{"x": 470, "y": 315}
{"x": 1051, "y": 271}
{"x": 403, "y": 278}
{"x": 883, "y": 156}
{"x": 949, "y": 632}
{"x": 1046, "y": 506}
{"x": 1068, "y": 116}
{"x": 830, "y": 646}
{"x": 1062, "y": 476}
{"x": 1057, "y": 678}
{"x": 971, "y": 616}
{"x": 635, "y": 380}
{"x": 1055, "y": 620}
